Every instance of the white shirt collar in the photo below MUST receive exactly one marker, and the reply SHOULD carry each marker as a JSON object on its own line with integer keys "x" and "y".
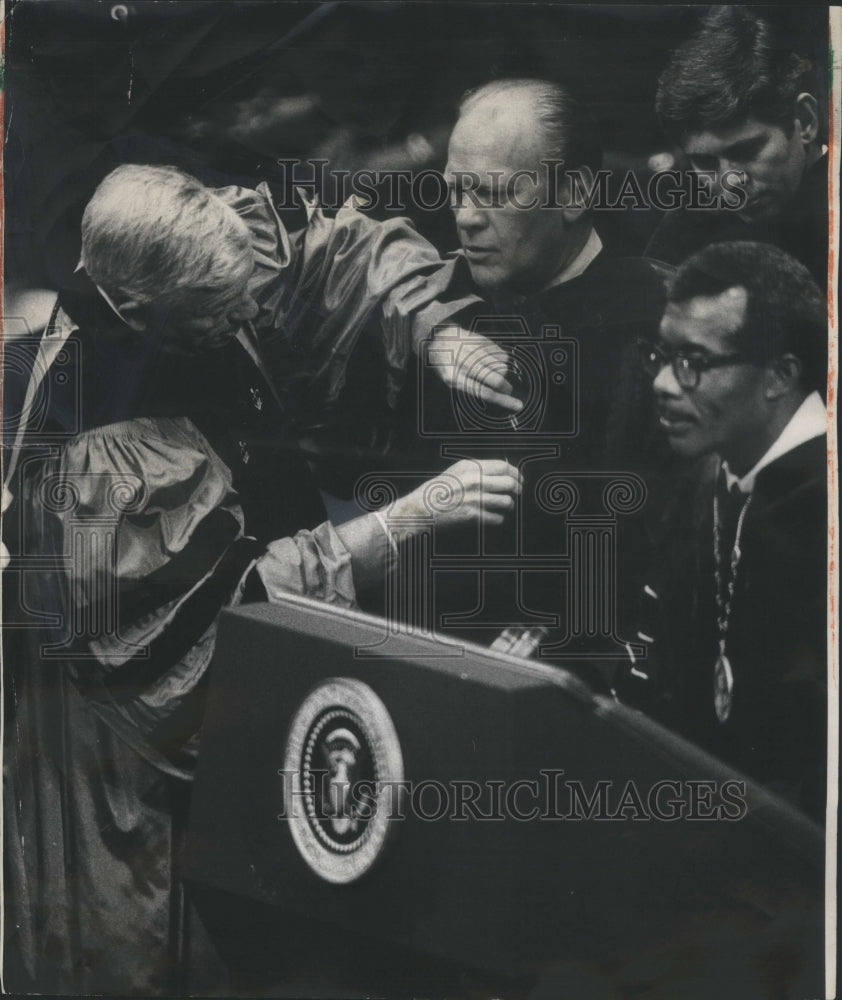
{"x": 809, "y": 421}
{"x": 581, "y": 262}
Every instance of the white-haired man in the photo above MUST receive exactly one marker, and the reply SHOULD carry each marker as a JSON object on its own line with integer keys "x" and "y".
{"x": 186, "y": 493}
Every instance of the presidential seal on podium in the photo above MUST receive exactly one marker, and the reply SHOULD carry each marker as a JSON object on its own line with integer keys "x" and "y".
{"x": 344, "y": 777}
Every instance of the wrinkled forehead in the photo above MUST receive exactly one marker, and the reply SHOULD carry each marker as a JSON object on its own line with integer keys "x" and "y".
{"x": 501, "y": 134}
{"x": 705, "y": 321}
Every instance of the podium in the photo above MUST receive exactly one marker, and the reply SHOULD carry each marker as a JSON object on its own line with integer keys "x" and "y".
{"x": 409, "y": 796}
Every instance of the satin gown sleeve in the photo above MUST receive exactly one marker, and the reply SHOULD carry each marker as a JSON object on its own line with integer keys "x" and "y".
{"x": 153, "y": 546}
{"x": 318, "y": 287}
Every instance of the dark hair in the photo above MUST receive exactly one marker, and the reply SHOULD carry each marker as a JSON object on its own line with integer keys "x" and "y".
{"x": 786, "y": 312}
{"x": 735, "y": 66}
{"x": 568, "y": 128}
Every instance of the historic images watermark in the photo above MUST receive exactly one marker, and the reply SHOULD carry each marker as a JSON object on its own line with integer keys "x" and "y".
{"x": 329, "y": 796}
{"x": 550, "y": 187}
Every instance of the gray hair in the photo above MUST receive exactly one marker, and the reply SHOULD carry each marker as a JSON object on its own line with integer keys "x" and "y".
{"x": 567, "y": 126}
{"x": 154, "y": 234}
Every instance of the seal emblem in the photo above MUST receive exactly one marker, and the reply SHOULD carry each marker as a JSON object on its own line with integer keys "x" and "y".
{"x": 344, "y": 760}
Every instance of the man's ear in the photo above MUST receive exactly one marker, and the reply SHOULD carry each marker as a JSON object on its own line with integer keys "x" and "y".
{"x": 576, "y": 196}
{"x": 783, "y": 375}
{"x": 807, "y": 118}
{"x": 134, "y": 314}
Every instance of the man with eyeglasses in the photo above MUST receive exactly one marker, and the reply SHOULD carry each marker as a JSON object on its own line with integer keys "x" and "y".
{"x": 568, "y": 309}
{"x": 733, "y": 614}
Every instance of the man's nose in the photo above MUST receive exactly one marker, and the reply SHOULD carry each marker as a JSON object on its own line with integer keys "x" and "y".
{"x": 468, "y": 215}
{"x": 735, "y": 170}
{"x": 665, "y": 383}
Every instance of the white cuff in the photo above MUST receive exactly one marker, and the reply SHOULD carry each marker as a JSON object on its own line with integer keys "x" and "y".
{"x": 389, "y": 534}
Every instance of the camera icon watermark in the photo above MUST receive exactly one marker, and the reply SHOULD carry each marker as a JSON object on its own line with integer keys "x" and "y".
{"x": 42, "y": 390}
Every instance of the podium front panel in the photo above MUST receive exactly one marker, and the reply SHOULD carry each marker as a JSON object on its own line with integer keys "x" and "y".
{"x": 590, "y": 831}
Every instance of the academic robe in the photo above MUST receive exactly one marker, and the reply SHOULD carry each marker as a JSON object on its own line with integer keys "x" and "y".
{"x": 777, "y": 628}
{"x": 588, "y": 417}
{"x": 162, "y": 484}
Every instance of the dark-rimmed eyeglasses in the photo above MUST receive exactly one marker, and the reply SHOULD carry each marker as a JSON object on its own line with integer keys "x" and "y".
{"x": 687, "y": 366}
